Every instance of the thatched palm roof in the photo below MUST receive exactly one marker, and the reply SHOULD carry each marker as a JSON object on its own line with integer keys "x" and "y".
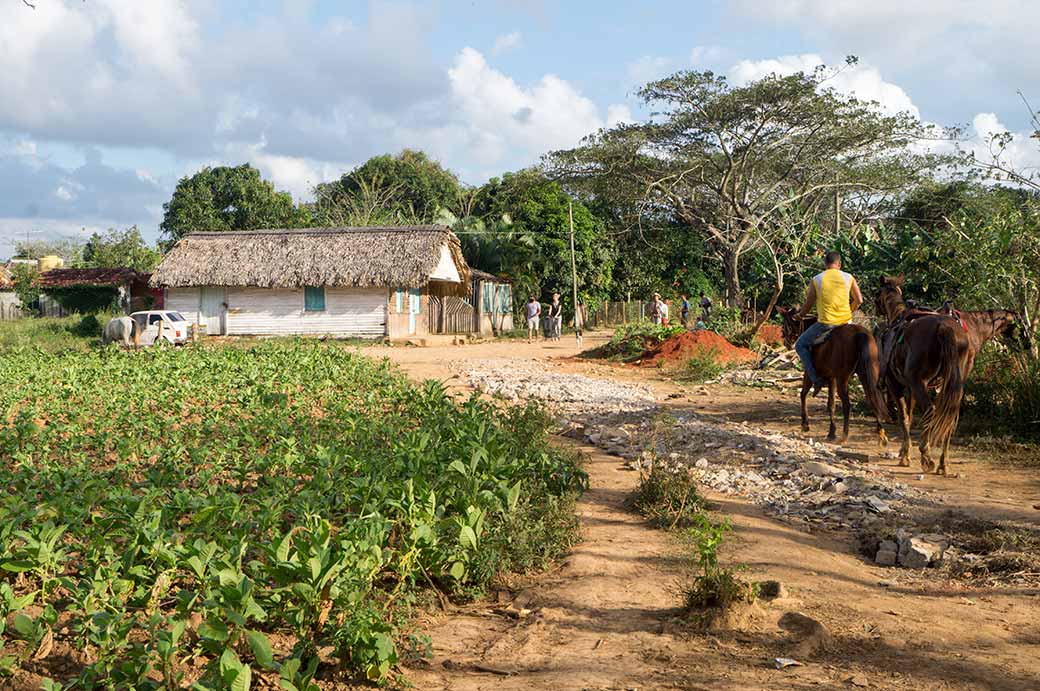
{"x": 65, "y": 278}
{"x": 357, "y": 257}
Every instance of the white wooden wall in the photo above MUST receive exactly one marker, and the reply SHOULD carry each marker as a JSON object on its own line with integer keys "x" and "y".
{"x": 185, "y": 301}
{"x": 355, "y": 312}
{"x": 359, "y": 312}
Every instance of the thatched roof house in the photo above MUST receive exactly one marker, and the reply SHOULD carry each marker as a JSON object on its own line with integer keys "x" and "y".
{"x": 338, "y": 281}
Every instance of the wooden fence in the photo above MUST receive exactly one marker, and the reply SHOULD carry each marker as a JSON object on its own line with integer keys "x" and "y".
{"x": 11, "y": 310}
{"x": 451, "y": 315}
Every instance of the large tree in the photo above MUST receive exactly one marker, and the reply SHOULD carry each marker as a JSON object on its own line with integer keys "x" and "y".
{"x": 526, "y": 233}
{"x": 748, "y": 166}
{"x": 407, "y": 188}
{"x": 229, "y": 198}
{"x": 120, "y": 248}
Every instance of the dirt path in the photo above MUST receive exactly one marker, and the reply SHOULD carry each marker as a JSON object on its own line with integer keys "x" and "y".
{"x": 606, "y": 618}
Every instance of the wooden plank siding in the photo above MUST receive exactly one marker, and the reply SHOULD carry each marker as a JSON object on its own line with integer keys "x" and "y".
{"x": 349, "y": 312}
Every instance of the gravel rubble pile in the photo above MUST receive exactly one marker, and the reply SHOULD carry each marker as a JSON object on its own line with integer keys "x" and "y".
{"x": 799, "y": 481}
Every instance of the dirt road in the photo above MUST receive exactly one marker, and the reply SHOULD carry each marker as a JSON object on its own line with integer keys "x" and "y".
{"x": 607, "y": 618}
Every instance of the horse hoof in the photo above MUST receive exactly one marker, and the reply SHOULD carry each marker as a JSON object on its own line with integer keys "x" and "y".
{"x": 843, "y": 440}
{"x": 832, "y": 437}
{"x": 904, "y": 462}
{"x": 805, "y": 428}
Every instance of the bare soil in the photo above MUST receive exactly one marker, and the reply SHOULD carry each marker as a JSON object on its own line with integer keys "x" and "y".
{"x": 607, "y": 617}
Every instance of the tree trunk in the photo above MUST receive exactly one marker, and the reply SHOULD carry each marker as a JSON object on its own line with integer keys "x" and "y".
{"x": 731, "y": 275}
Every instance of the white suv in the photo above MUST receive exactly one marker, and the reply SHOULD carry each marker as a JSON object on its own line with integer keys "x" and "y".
{"x": 172, "y": 327}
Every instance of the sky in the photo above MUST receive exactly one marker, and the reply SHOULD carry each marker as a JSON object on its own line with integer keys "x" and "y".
{"x": 105, "y": 104}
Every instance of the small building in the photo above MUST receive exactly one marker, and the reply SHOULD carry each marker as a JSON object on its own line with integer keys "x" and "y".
{"x": 125, "y": 287}
{"x": 344, "y": 282}
{"x": 493, "y": 298}
{"x": 10, "y": 304}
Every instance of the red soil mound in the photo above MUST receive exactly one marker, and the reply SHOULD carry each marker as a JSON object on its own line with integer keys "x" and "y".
{"x": 693, "y": 343}
{"x": 770, "y": 334}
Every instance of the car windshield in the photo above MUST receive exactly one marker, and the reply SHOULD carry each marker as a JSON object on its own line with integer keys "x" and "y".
{"x": 176, "y": 316}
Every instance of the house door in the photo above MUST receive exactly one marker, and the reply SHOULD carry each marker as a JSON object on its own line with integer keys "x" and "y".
{"x": 414, "y": 306}
{"x": 213, "y": 309}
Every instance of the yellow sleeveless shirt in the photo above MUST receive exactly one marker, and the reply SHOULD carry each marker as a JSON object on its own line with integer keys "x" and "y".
{"x": 833, "y": 307}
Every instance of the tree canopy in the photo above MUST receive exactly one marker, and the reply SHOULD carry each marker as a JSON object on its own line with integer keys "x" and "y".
{"x": 120, "y": 248}
{"x": 407, "y": 188}
{"x": 228, "y": 198}
{"x": 742, "y": 165}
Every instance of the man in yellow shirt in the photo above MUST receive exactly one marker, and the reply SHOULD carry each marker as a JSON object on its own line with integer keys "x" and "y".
{"x": 836, "y": 295}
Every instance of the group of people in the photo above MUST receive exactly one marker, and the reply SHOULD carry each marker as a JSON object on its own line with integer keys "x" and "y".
{"x": 550, "y": 318}
{"x": 659, "y": 311}
{"x": 551, "y": 322}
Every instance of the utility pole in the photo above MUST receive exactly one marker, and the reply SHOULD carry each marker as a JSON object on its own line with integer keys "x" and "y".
{"x": 574, "y": 275}
{"x": 837, "y": 211}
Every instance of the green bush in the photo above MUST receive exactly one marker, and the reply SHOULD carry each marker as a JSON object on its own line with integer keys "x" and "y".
{"x": 702, "y": 366}
{"x": 631, "y": 341}
{"x": 1002, "y": 395}
{"x": 667, "y": 498}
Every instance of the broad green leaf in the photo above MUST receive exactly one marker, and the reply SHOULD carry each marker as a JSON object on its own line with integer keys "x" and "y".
{"x": 261, "y": 648}
{"x": 467, "y": 538}
{"x": 24, "y": 625}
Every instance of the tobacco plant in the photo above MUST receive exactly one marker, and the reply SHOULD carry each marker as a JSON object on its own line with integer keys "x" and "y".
{"x": 207, "y": 517}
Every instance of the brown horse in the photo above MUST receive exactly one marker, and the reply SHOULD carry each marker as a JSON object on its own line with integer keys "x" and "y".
{"x": 849, "y": 348}
{"x": 928, "y": 349}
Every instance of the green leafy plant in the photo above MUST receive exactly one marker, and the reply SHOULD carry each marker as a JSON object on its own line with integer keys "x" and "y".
{"x": 291, "y": 491}
{"x": 715, "y": 588}
{"x": 702, "y": 366}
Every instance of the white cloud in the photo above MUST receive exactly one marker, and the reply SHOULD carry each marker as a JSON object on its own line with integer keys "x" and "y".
{"x": 702, "y": 56}
{"x": 506, "y": 42}
{"x": 506, "y": 123}
{"x": 861, "y": 80}
{"x": 62, "y": 193}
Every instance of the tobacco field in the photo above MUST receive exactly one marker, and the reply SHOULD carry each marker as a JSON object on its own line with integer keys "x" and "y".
{"x": 263, "y": 517}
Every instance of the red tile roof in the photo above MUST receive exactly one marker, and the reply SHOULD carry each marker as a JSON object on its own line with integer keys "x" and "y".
{"x": 64, "y": 278}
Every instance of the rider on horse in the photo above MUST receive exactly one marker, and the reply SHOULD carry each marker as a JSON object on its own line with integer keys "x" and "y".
{"x": 836, "y": 295}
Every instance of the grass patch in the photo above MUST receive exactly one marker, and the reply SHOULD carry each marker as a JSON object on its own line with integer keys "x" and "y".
{"x": 668, "y": 498}
{"x": 51, "y": 334}
{"x": 701, "y": 367}
{"x": 268, "y": 511}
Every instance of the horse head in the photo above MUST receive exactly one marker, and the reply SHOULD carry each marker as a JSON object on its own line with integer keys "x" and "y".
{"x": 792, "y": 326}
{"x": 890, "y": 296}
{"x": 1008, "y": 326}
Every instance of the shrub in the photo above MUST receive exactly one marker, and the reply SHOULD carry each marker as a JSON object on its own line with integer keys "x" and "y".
{"x": 716, "y": 588}
{"x": 87, "y": 327}
{"x": 667, "y": 498}
{"x": 1003, "y": 395}
{"x": 630, "y": 341}
{"x": 702, "y": 366}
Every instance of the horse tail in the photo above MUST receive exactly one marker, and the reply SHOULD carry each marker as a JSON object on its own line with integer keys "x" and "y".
{"x": 867, "y": 368}
{"x": 941, "y": 420}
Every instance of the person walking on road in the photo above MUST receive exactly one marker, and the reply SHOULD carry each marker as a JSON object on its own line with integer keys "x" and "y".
{"x": 655, "y": 309}
{"x": 556, "y": 317}
{"x": 684, "y": 313}
{"x": 534, "y": 313}
{"x": 835, "y": 294}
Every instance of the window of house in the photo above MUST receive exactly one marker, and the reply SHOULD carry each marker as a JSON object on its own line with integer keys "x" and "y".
{"x": 505, "y": 298}
{"x": 399, "y": 300}
{"x": 314, "y": 299}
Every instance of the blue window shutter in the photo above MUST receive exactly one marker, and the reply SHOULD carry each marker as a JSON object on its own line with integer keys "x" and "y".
{"x": 415, "y": 295}
{"x": 314, "y": 299}
{"x": 399, "y": 299}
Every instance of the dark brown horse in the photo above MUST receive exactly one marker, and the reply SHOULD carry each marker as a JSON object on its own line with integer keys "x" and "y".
{"x": 928, "y": 350}
{"x": 849, "y": 348}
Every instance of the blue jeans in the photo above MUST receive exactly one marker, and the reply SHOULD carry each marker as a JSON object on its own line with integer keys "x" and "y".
{"x": 804, "y": 348}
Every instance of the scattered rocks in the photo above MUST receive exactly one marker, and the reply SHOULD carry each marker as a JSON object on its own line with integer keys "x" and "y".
{"x": 801, "y": 482}
{"x": 859, "y": 680}
{"x": 888, "y": 553}
{"x": 920, "y": 551}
